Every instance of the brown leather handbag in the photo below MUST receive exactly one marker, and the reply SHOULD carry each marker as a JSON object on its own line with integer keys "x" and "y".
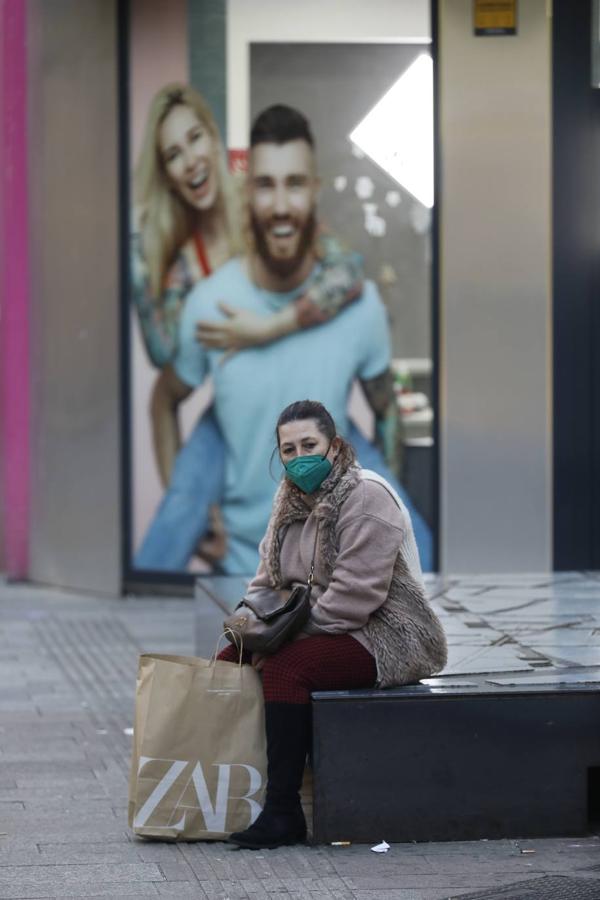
{"x": 266, "y": 619}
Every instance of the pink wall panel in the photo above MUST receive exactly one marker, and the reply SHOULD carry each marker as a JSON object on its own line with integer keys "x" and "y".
{"x": 14, "y": 287}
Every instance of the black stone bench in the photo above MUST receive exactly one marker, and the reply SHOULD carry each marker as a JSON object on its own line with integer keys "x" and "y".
{"x": 427, "y": 764}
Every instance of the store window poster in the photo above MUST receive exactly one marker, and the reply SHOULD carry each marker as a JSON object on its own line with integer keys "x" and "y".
{"x": 241, "y": 303}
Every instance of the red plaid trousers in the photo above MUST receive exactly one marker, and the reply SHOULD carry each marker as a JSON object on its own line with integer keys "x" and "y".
{"x": 333, "y": 662}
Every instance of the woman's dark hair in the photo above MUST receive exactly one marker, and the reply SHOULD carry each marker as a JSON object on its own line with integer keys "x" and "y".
{"x": 312, "y": 409}
{"x": 280, "y": 124}
{"x": 308, "y": 409}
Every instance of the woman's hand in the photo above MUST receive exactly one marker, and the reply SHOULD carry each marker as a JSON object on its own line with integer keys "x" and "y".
{"x": 258, "y": 661}
{"x": 241, "y": 329}
{"x": 213, "y": 544}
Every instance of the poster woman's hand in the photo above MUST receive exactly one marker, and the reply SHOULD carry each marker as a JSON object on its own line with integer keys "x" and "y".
{"x": 213, "y": 544}
{"x": 241, "y": 329}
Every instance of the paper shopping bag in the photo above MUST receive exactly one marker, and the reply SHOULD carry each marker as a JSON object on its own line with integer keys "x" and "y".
{"x": 198, "y": 768}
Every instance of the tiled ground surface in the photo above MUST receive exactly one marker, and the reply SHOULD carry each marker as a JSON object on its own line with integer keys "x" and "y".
{"x": 521, "y": 628}
{"x": 67, "y": 673}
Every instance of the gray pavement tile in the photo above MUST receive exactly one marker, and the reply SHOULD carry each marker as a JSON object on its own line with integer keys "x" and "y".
{"x": 18, "y": 853}
{"x": 555, "y": 865}
{"x": 411, "y": 894}
{"x": 45, "y": 688}
{"x": 37, "y": 727}
{"x": 68, "y": 807}
{"x": 46, "y": 768}
{"x": 202, "y": 870}
{"x": 214, "y": 891}
{"x": 13, "y": 693}
{"x": 108, "y": 893}
{"x": 88, "y": 852}
{"x": 79, "y": 712}
{"x": 63, "y": 831}
{"x": 19, "y": 858}
{"x": 545, "y": 888}
{"x": 305, "y": 894}
{"x": 120, "y": 809}
{"x": 243, "y": 867}
{"x": 94, "y": 814}
{"x": 512, "y": 867}
{"x": 255, "y": 887}
{"x": 33, "y": 781}
{"x": 224, "y": 869}
{"x": 233, "y": 890}
{"x": 441, "y": 880}
{"x": 392, "y": 861}
{"x": 146, "y": 890}
{"x": 27, "y": 707}
{"x": 297, "y": 895}
{"x": 177, "y": 871}
{"x": 110, "y": 768}
{"x": 502, "y": 847}
{"x": 64, "y": 757}
{"x": 89, "y": 792}
{"x": 187, "y": 891}
{"x": 151, "y": 851}
{"x": 59, "y": 876}
{"x": 315, "y": 859}
{"x": 562, "y": 844}
{"x": 331, "y": 882}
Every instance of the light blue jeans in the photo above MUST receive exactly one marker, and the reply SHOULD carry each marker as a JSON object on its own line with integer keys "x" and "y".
{"x": 197, "y": 483}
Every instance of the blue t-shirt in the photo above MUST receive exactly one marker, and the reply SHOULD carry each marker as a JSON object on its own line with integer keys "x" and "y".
{"x": 253, "y": 386}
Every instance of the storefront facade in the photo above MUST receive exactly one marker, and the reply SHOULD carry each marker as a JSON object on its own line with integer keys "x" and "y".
{"x": 474, "y": 292}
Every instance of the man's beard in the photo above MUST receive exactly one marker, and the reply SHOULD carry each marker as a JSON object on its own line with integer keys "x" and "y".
{"x": 285, "y": 267}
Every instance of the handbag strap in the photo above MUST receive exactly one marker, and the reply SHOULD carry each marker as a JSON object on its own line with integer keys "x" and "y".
{"x": 312, "y": 562}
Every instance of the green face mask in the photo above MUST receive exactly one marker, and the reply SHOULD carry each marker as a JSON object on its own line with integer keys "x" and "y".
{"x": 308, "y": 472}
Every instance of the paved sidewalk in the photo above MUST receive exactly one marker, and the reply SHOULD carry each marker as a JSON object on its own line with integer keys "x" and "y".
{"x": 67, "y": 676}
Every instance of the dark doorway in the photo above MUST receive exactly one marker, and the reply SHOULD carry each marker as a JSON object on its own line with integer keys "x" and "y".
{"x": 576, "y": 286}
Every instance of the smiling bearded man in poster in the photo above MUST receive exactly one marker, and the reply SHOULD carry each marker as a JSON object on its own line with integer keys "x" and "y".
{"x": 253, "y": 386}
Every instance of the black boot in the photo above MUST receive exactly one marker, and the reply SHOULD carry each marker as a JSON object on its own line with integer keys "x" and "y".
{"x": 282, "y": 821}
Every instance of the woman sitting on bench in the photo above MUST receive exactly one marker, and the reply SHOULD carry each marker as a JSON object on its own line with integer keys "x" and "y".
{"x": 370, "y": 622}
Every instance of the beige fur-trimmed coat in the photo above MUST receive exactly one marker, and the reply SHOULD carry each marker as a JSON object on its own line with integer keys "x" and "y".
{"x": 367, "y": 576}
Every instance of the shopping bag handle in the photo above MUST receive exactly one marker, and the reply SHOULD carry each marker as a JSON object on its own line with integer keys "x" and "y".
{"x": 236, "y": 637}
